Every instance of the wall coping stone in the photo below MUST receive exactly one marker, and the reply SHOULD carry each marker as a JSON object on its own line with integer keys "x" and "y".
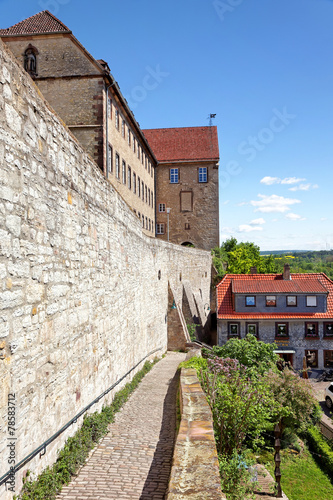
{"x": 195, "y": 469}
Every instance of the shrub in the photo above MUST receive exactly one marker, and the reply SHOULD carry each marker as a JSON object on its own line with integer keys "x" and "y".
{"x": 318, "y": 445}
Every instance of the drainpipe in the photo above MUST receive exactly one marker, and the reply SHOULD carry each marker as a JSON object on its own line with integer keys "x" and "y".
{"x": 107, "y": 128}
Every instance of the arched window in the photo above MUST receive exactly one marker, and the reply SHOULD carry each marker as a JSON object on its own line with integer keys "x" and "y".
{"x": 30, "y": 60}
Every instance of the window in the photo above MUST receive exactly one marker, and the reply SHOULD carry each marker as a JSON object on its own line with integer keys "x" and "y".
{"x": 117, "y": 119}
{"x": 117, "y": 166}
{"x": 311, "y": 300}
{"x": 281, "y": 330}
{"x": 139, "y": 187}
{"x": 149, "y": 167}
{"x": 174, "y": 175}
{"x": 253, "y": 329}
{"x": 250, "y": 301}
{"x": 328, "y": 359}
{"x": 124, "y": 171}
{"x": 134, "y": 182}
{"x": 134, "y": 144}
{"x": 146, "y": 194}
{"x": 30, "y": 60}
{"x": 233, "y": 330}
{"x": 143, "y": 191}
{"x": 202, "y": 174}
{"x": 159, "y": 228}
{"x": 152, "y": 171}
{"x": 311, "y": 329}
{"x": 129, "y": 178}
{"x": 143, "y": 221}
{"x": 141, "y": 155}
{"x": 129, "y": 137}
{"x": 311, "y": 358}
{"x": 110, "y": 160}
{"x": 270, "y": 300}
{"x": 149, "y": 225}
{"x": 187, "y": 225}
{"x": 328, "y": 329}
{"x": 291, "y": 300}
{"x": 146, "y": 223}
{"x": 123, "y": 128}
{"x": 146, "y": 162}
{"x": 139, "y": 151}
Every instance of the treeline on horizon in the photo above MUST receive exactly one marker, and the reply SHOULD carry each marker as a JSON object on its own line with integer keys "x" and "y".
{"x": 238, "y": 258}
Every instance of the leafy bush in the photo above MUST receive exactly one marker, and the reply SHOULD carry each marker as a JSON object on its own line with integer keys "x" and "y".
{"x": 76, "y": 450}
{"x": 192, "y": 328}
{"x": 196, "y": 362}
{"x": 324, "y": 452}
{"x": 250, "y": 352}
{"x": 236, "y": 480}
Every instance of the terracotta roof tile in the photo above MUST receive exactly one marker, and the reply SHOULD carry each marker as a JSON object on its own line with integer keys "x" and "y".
{"x": 43, "y": 22}
{"x": 272, "y": 283}
{"x": 184, "y": 144}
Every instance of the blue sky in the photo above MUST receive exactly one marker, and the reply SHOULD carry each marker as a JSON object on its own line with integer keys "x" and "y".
{"x": 263, "y": 66}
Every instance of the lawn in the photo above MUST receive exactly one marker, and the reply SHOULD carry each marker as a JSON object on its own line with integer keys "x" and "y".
{"x": 302, "y": 479}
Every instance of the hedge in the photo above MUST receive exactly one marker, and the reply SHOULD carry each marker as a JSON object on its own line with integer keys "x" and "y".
{"x": 318, "y": 445}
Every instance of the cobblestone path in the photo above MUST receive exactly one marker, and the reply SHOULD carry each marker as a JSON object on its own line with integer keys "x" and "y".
{"x": 133, "y": 461}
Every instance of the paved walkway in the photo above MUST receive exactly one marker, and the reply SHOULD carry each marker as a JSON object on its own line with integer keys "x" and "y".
{"x": 133, "y": 461}
{"x": 265, "y": 485}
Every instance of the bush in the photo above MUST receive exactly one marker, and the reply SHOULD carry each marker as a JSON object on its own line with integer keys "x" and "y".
{"x": 318, "y": 444}
{"x": 236, "y": 480}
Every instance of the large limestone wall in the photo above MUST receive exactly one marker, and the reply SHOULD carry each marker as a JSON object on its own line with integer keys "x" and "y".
{"x": 83, "y": 292}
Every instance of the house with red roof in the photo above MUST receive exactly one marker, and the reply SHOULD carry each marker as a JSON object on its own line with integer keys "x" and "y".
{"x": 187, "y": 189}
{"x": 293, "y": 310}
{"x": 181, "y": 204}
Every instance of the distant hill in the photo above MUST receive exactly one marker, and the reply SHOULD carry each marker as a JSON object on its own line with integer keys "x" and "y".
{"x": 280, "y": 252}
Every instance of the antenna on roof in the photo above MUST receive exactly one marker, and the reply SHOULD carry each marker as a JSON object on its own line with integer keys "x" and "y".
{"x": 210, "y": 118}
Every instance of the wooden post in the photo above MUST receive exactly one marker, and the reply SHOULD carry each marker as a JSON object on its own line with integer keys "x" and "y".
{"x": 277, "y": 459}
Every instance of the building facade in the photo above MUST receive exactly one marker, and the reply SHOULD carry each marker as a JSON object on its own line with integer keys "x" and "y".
{"x": 87, "y": 98}
{"x": 187, "y": 189}
{"x": 295, "y": 311}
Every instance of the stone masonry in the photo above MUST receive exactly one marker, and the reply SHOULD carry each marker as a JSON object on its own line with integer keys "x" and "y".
{"x": 83, "y": 292}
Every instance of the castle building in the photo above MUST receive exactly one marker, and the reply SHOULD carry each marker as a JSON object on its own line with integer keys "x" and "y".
{"x": 85, "y": 95}
{"x": 187, "y": 197}
{"x": 292, "y": 310}
{"x": 169, "y": 172}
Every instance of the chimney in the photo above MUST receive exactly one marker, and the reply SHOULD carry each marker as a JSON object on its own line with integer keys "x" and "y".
{"x": 254, "y": 270}
{"x": 286, "y": 272}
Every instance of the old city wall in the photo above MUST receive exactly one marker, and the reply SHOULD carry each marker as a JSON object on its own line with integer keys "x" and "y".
{"x": 83, "y": 293}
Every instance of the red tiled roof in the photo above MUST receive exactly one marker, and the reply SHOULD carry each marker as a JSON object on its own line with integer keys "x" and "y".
{"x": 43, "y": 22}
{"x": 272, "y": 283}
{"x": 184, "y": 144}
{"x": 277, "y": 285}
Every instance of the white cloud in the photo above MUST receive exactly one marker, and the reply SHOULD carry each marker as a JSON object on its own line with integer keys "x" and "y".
{"x": 276, "y": 180}
{"x": 273, "y": 203}
{"x": 304, "y": 187}
{"x": 292, "y": 216}
{"x": 270, "y": 180}
{"x": 257, "y": 221}
{"x": 292, "y": 180}
{"x": 242, "y": 203}
{"x": 225, "y": 202}
{"x": 247, "y": 228}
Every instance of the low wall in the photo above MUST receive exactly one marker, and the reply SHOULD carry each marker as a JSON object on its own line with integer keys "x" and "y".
{"x": 195, "y": 470}
{"x": 84, "y": 294}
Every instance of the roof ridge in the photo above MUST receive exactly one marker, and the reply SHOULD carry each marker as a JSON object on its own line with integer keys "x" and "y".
{"x": 28, "y": 28}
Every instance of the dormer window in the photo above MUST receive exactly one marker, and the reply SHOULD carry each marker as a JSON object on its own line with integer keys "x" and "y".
{"x": 311, "y": 301}
{"x": 270, "y": 300}
{"x": 291, "y": 300}
{"x": 250, "y": 301}
{"x": 30, "y": 60}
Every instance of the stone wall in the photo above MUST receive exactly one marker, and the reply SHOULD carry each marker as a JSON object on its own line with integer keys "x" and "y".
{"x": 83, "y": 292}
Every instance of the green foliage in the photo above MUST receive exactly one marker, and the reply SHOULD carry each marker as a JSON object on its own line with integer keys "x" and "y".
{"x": 236, "y": 481}
{"x": 324, "y": 453}
{"x": 238, "y": 258}
{"x": 241, "y": 406}
{"x": 256, "y": 355}
{"x": 196, "y": 362}
{"x": 191, "y": 327}
{"x": 296, "y": 404}
{"x": 73, "y": 455}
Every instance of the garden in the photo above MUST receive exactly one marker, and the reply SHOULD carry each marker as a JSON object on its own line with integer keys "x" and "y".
{"x": 249, "y": 394}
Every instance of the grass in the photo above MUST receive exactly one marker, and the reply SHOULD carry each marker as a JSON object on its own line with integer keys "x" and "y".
{"x": 302, "y": 478}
